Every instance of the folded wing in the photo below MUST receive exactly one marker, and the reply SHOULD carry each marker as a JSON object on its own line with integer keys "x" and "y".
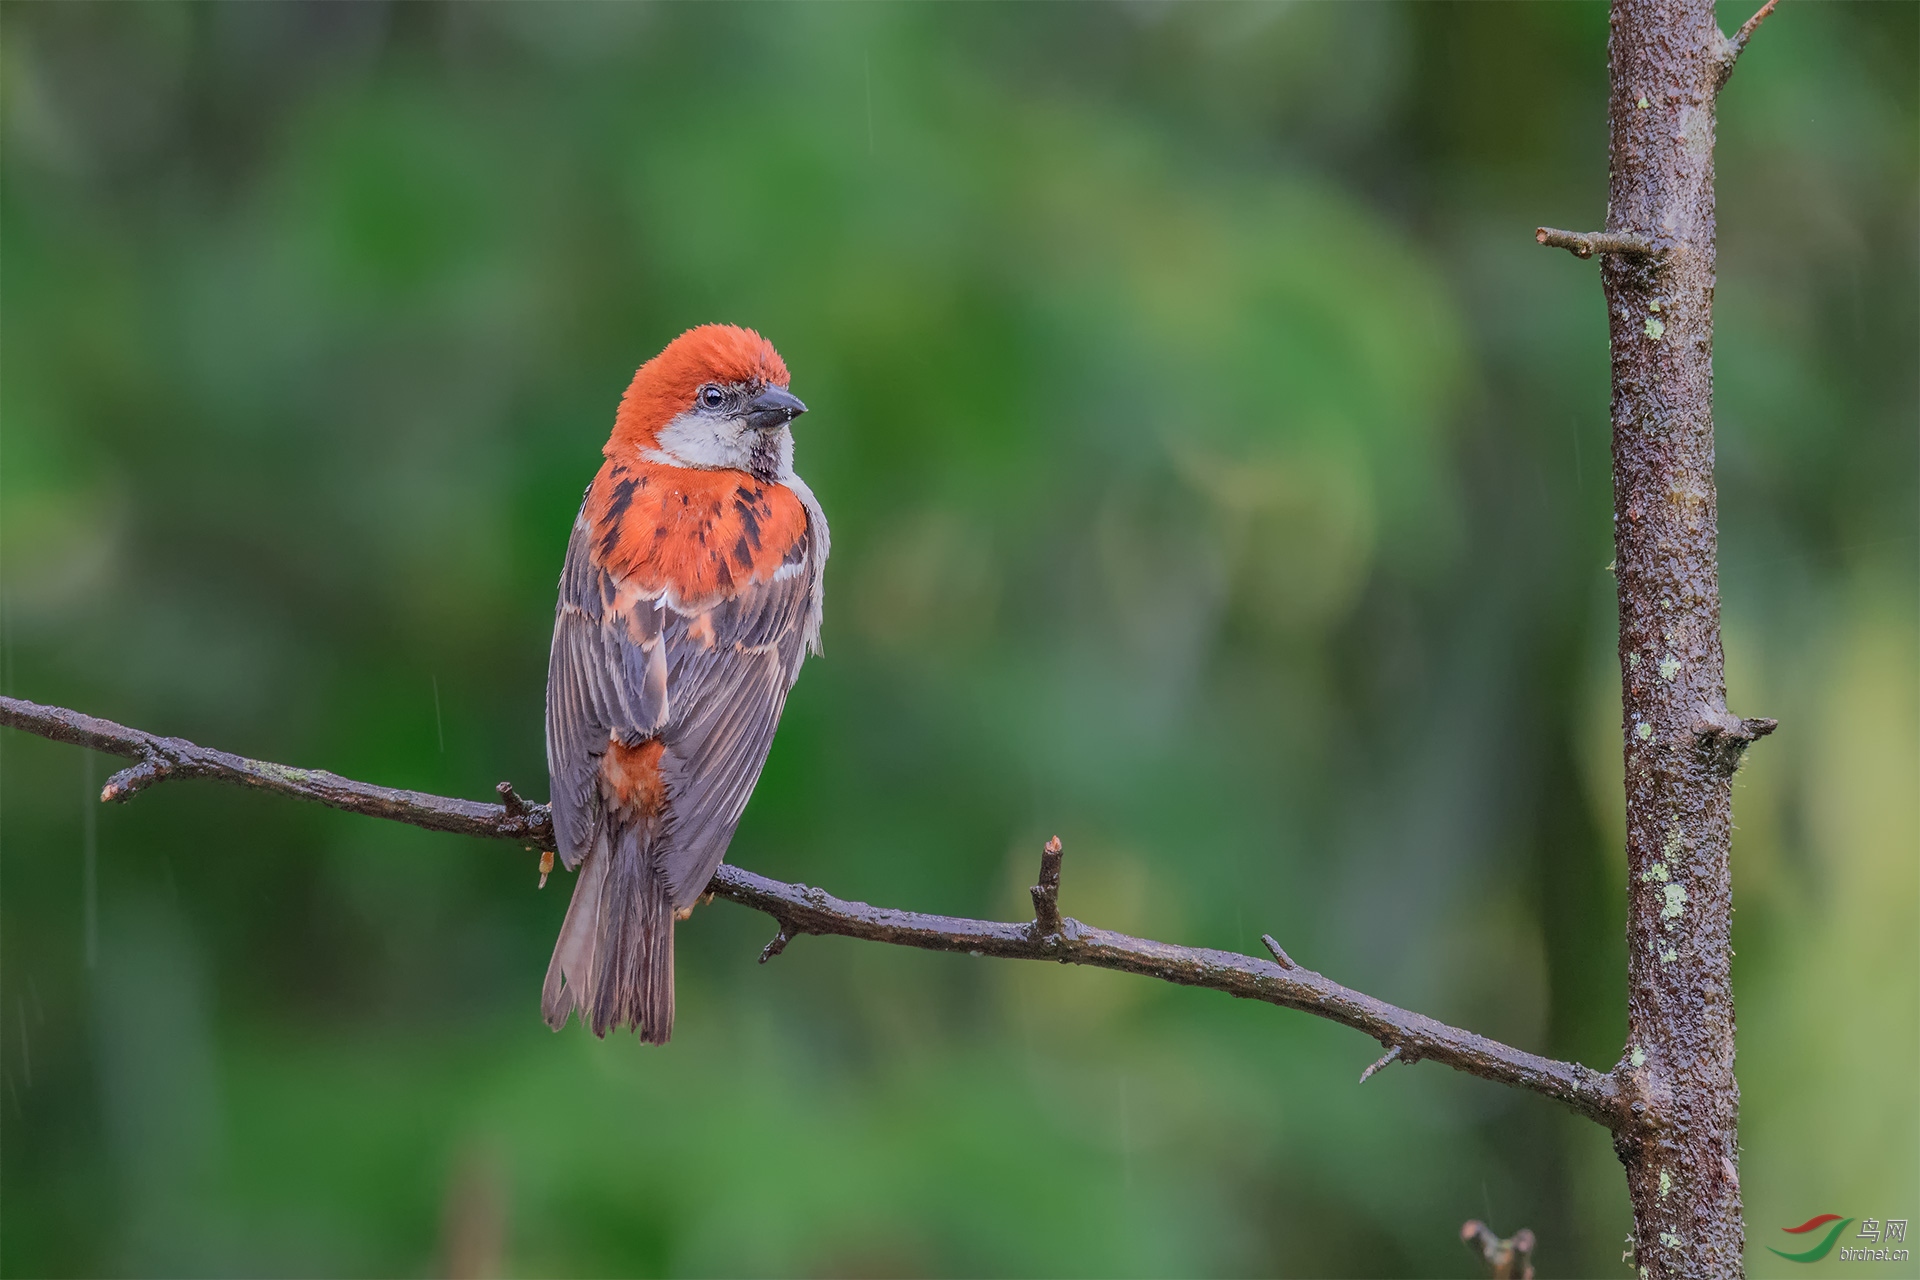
{"x": 699, "y": 654}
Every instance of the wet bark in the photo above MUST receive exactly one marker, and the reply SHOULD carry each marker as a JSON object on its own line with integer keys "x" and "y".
{"x": 1667, "y": 61}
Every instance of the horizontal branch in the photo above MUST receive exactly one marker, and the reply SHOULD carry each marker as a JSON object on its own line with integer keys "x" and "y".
{"x": 1584, "y": 244}
{"x": 799, "y": 909}
{"x": 161, "y": 758}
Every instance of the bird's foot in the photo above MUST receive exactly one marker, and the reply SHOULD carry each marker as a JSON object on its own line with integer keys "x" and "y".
{"x": 686, "y": 912}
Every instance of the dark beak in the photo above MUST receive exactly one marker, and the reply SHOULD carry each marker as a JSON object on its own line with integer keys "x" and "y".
{"x": 775, "y": 407}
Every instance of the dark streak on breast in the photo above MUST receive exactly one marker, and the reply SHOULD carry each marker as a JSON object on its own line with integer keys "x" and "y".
{"x": 749, "y": 522}
{"x": 617, "y": 504}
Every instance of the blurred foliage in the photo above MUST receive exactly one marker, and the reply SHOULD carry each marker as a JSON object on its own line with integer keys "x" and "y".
{"x": 1218, "y": 476}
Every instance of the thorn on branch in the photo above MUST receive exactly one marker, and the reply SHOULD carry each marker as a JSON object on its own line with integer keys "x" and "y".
{"x": 1584, "y": 244}
{"x": 520, "y": 818}
{"x": 1723, "y": 738}
{"x": 1509, "y": 1259}
{"x": 1046, "y": 894}
{"x": 1732, "y": 47}
{"x": 1389, "y": 1056}
{"x": 1280, "y": 957}
{"x": 512, "y": 801}
{"x": 786, "y": 934}
{"x": 134, "y": 779}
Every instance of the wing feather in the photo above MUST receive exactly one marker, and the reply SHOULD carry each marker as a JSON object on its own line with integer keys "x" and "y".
{"x": 710, "y": 683}
{"x": 606, "y": 678}
{"x": 731, "y": 669}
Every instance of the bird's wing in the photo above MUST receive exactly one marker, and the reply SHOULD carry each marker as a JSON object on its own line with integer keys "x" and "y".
{"x": 730, "y": 669}
{"x": 682, "y": 615}
{"x": 606, "y": 678}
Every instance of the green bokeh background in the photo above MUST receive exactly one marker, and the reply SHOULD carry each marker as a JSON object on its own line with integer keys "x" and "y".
{"x": 1218, "y": 476}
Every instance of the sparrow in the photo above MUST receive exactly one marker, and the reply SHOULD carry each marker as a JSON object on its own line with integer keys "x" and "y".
{"x": 690, "y": 596}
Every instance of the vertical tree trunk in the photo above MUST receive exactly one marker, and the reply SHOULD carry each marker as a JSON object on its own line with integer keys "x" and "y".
{"x": 1667, "y": 60}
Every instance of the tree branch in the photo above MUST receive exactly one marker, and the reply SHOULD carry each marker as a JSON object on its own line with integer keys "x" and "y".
{"x": 799, "y": 909}
{"x": 1732, "y": 47}
{"x": 1584, "y": 244}
{"x": 1679, "y": 743}
{"x": 1046, "y": 894}
{"x": 1510, "y": 1259}
{"x": 160, "y": 758}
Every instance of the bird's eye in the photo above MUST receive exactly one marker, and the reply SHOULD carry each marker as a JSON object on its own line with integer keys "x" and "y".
{"x": 712, "y": 397}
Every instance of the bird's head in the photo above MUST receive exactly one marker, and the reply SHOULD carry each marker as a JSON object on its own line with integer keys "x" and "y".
{"x": 715, "y": 398}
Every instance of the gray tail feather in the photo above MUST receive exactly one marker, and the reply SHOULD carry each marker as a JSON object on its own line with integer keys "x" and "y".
{"x": 614, "y": 959}
{"x": 570, "y": 971}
